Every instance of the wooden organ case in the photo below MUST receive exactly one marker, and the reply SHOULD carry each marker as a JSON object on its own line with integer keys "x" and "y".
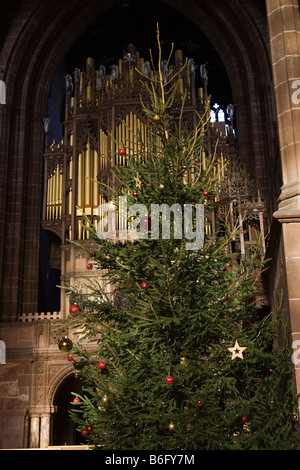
{"x": 104, "y": 110}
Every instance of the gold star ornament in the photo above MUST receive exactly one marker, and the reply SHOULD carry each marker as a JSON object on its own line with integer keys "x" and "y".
{"x": 236, "y": 351}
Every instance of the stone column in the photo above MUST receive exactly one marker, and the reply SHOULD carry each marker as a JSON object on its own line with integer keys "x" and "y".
{"x": 284, "y": 31}
{"x": 45, "y": 431}
{"x": 34, "y": 432}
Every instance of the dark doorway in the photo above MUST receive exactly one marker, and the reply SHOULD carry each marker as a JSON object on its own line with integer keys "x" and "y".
{"x": 63, "y": 429}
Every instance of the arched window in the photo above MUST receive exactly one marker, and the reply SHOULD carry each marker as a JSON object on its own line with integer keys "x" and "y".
{"x": 221, "y": 116}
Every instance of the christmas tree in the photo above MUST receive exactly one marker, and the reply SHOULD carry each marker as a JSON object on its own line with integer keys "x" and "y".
{"x": 181, "y": 357}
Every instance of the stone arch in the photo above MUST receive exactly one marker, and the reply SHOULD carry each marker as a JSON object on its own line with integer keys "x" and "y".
{"x": 237, "y": 29}
{"x": 60, "y": 396}
{"x": 63, "y": 373}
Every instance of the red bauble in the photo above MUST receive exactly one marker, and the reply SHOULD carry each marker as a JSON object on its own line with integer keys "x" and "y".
{"x": 89, "y": 428}
{"x": 101, "y": 365}
{"x": 84, "y": 433}
{"x": 89, "y": 266}
{"x": 74, "y": 308}
{"x": 70, "y": 358}
{"x": 134, "y": 193}
{"x": 76, "y": 400}
{"x": 244, "y": 419}
{"x": 122, "y": 151}
{"x": 205, "y": 193}
{"x": 169, "y": 380}
{"x": 93, "y": 254}
{"x": 144, "y": 285}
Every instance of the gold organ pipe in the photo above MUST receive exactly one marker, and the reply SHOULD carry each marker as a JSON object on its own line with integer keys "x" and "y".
{"x": 104, "y": 151}
{"x": 139, "y": 137}
{"x": 101, "y": 150}
{"x": 127, "y": 136}
{"x": 71, "y": 168}
{"x": 79, "y": 230}
{"x": 51, "y": 196}
{"x": 179, "y": 57}
{"x": 79, "y": 192}
{"x": 180, "y": 86}
{"x": 57, "y": 189}
{"x": 101, "y": 162}
{"x": 89, "y": 93}
{"x": 70, "y": 201}
{"x": 90, "y": 62}
{"x": 200, "y": 93}
{"x": 95, "y": 184}
{"x": 123, "y": 134}
{"x": 54, "y": 195}
{"x": 60, "y": 192}
{"x": 87, "y": 181}
{"x": 131, "y": 75}
{"x": 118, "y": 139}
{"x": 131, "y": 133}
{"x": 95, "y": 223}
{"x": 120, "y": 66}
{"x": 47, "y": 199}
{"x": 135, "y": 139}
{"x": 86, "y": 232}
{"x": 101, "y": 222}
{"x": 112, "y": 148}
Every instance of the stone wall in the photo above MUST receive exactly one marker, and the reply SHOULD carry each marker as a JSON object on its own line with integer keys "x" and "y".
{"x": 34, "y": 369}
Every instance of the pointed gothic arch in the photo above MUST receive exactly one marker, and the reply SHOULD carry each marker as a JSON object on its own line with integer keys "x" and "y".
{"x": 28, "y": 71}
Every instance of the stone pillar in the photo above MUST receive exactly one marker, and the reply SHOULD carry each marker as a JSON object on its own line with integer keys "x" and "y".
{"x": 45, "y": 431}
{"x": 40, "y": 429}
{"x": 284, "y": 31}
{"x": 34, "y": 432}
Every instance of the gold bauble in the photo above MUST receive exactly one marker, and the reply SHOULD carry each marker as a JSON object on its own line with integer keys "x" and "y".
{"x": 295, "y": 417}
{"x": 65, "y": 345}
{"x": 156, "y": 117}
{"x": 105, "y": 399}
{"x": 161, "y": 186}
{"x": 171, "y": 426}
